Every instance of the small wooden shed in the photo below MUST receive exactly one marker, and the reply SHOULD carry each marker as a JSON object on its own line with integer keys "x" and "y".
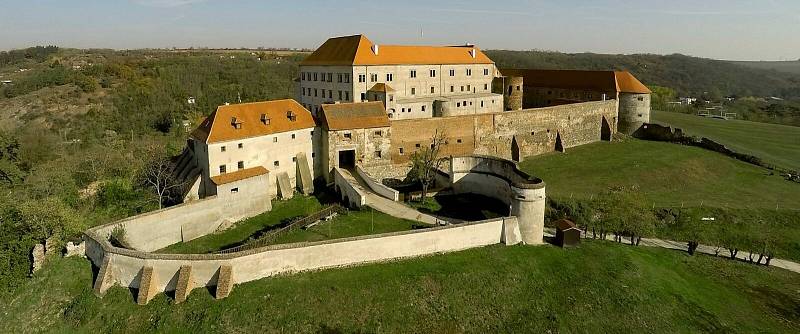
{"x": 567, "y": 233}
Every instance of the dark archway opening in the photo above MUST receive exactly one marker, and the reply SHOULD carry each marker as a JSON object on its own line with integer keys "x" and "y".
{"x": 515, "y": 149}
{"x": 605, "y": 130}
{"x": 347, "y": 159}
{"x": 559, "y": 145}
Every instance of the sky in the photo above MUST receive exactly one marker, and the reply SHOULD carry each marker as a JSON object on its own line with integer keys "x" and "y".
{"x": 719, "y": 29}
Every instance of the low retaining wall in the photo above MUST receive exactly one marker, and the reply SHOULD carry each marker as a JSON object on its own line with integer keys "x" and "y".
{"x": 158, "y": 229}
{"x": 377, "y": 187}
{"x": 124, "y": 267}
{"x": 345, "y": 184}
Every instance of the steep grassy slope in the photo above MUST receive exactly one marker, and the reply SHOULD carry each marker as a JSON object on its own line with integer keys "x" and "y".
{"x": 669, "y": 174}
{"x": 776, "y": 144}
{"x": 599, "y": 286}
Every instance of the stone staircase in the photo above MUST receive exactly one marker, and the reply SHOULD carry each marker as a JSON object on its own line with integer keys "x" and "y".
{"x": 186, "y": 172}
{"x": 224, "y": 281}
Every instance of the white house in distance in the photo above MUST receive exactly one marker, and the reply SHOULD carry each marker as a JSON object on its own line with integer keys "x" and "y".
{"x": 239, "y": 142}
{"x": 413, "y": 81}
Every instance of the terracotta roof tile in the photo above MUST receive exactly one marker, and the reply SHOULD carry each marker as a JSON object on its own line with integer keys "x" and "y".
{"x": 358, "y": 115}
{"x": 238, "y": 175}
{"x": 565, "y": 224}
{"x": 608, "y": 81}
{"x": 219, "y": 127}
{"x": 381, "y": 87}
{"x": 357, "y": 50}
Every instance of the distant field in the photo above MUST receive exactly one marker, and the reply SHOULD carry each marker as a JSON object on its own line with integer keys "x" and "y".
{"x": 792, "y": 66}
{"x": 669, "y": 174}
{"x": 774, "y": 143}
{"x": 597, "y": 287}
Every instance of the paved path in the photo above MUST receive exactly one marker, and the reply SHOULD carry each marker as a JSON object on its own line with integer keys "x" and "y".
{"x": 671, "y": 244}
{"x": 386, "y": 205}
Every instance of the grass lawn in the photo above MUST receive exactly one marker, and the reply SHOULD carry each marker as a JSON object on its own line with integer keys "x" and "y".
{"x": 597, "y": 287}
{"x": 354, "y": 223}
{"x": 668, "y": 174}
{"x": 773, "y": 143}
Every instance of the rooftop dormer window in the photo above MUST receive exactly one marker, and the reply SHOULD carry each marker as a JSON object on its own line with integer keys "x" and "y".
{"x": 237, "y": 124}
{"x": 264, "y": 119}
{"x": 291, "y": 115}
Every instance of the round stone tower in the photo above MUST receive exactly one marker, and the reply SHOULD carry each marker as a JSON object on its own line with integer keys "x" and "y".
{"x": 634, "y": 110}
{"x": 527, "y": 204}
{"x": 512, "y": 89}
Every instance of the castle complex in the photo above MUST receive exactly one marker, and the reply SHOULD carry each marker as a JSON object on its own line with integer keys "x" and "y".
{"x": 362, "y": 110}
{"x": 362, "y": 103}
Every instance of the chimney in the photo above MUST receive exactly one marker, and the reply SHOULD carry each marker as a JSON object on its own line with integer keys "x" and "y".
{"x": 375, "y": 49}
{"x": 472, "y": 53}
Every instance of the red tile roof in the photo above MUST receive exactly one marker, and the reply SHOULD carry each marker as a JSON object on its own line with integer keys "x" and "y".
{"x": 219, "y": 127}
{"x": 357, "y": 50}
{"x": 603, "y": 81}
{"x": 238, "y": 175}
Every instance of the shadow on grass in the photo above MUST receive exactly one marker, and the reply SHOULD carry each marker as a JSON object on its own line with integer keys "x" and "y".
{"x": 467, "y": 207}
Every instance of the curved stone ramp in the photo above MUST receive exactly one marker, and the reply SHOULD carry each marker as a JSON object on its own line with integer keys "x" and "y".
{"x": 383, "y": 204}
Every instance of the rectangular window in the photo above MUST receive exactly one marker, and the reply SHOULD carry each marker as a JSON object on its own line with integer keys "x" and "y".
{"x": 402, "y": 109}
{"x": 330, "y": 77}
{"x": 241, "y": 145}
{"x": 362, "y": 77}
{"x": 413, "y": 74}
{"x": 222, "y": 148}
{"x": 315, "y": 92}
{"x": 315, "y": 76}
{"x": 240, "y": 165}
{"x": 485, "y": 86}
{"x": 276, "y": 163}
{"x": 432, "y": 90}
{"x": 378, "y": 154}
{"x": 363, "y": 96}
{"x": 388, "y": 77}
{"x": 451, "y": 89}
{"x": 347, "y": 96}
{"x": 234, "y": 190}
{"x": 469, "y": 71}
{"x": 348, "y": 135}
{"x": 275, "y": 139}
{"x": 417, "y": 145}
{"x": 485, "y": 71}
{"x": 401, "y": 151}
{"x": 458, "y": 141}
{"x": 378, "y": 133}
{"x": 452, "y": 73}
{"x": 339, "y": 78}
{"x": 413, "y": 90}
{"x": 294, "y": 159}
{"x": 469, "y": 88}
{"x": 222, "y": 169}
{"x": 462, "y": 88}
{"x": 330, "y": 93}
{"x": 303, "y": 76}
{"x": 346, "y": 78}
{"x": 373, "y": 77}
{"x": 433, "y": 73}
{"x": 481, "y": 103}
{"x": 423, "y": 108}
{"x": 293, "y": 136}
{"x": 340, "y": 95}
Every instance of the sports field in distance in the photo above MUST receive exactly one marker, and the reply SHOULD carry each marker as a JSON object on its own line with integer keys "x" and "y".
{"x": 669, "y": 174}
{"x": 598, "y": 287}
{"x": 774, "y": 143}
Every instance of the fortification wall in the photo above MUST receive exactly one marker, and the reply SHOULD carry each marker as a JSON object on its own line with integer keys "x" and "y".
{"x": 501, "y": 179}
{"x": 158, "y": 229}
{"x": 537, "y": 130}
{"x": 124, "y": 266}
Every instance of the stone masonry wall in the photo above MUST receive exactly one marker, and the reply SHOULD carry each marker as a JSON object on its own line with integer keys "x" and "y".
{"x": 535, "y": 130}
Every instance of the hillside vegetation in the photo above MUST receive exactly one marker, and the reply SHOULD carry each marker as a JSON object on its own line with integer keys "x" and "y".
{"x": 773, "y": 143}
{"x": 599, "y": 286}
{"x": 792, "y": 67}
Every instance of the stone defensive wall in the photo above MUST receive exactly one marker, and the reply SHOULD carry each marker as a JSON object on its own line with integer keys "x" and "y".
{"x": 501, "y": 179}
{"x": 535, "y": 131}
{"x": 154, "y": 273}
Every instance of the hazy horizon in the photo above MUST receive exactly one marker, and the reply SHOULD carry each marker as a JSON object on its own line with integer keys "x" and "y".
{"x": 718, "y": 29}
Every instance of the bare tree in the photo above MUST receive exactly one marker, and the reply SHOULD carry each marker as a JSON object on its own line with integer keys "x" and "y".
{"x": 158, "y": 173}
{"x": 425, "y": 162}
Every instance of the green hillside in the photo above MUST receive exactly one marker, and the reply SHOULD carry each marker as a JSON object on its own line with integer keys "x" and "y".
{"x": 668, "y": 174}
{"x": 774, "y": 143}
{"x": 687, "y": 75}
{"x": 599, "y": 286}
{"x": 792, "y": 67}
